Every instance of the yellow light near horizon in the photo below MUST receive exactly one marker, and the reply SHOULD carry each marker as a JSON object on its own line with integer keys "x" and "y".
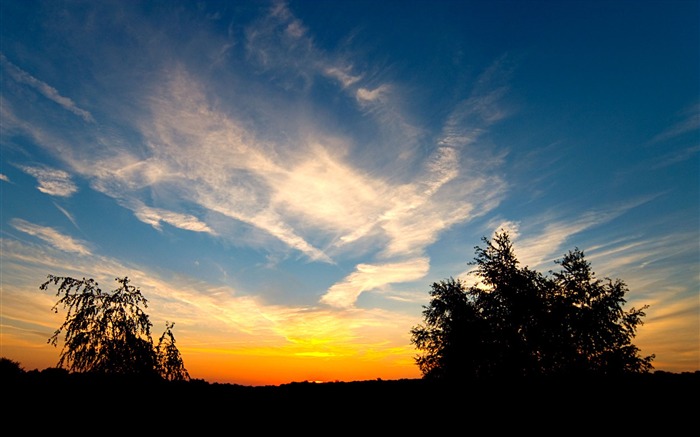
{"x": 276, "y": 369}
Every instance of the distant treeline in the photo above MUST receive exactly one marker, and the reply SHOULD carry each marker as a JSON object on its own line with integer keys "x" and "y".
{"x": 54, "y": 378}
{"x": 656, "y": 401}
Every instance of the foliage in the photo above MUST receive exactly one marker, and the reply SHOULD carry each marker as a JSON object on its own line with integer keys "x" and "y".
{"x": 170, "y": 361}
{"x": 110, "y": 333}
{"x": 517, "y": 322}
{"x": 10, "y": 368}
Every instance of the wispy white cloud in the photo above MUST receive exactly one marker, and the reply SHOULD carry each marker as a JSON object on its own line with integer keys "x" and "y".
{"x": 653, "y": 260}
{"x": 46, "y": 90}
{"x": 296, "y": 62}
{"x": 311, "y": 189}
{"x": 4, "y": 177}
{"x": 157, "y": 216}
{"x": 67, "y": 214}
{"x": 512, "y": 228}
{"x": 199, "y": 155}
{"x": 52, "y": 181}
{"x": 677, "y": 156}
{"x": 51, "y": 236}
{"x": 295, "y": 29}
{"x": 327, "y": 193}
{"x": 343, "y": 75}
{"x": 211, "y": 159}
{"x": 368, "y": 277}
{"x": 541, "y": 240}
{"x": 542, "y": 248}
{"x": 307, "y": 192}
{"x": 279, "y": 41}
{"x": 365, "y": 95}
{"x": 690, "y": 122}
{"x": 458, "y": 182}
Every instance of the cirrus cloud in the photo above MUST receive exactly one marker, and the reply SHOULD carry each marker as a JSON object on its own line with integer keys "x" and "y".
{"x": 51, "y": 236}
{"x": 369, "y": 277}
{"x": 52, "y": 181}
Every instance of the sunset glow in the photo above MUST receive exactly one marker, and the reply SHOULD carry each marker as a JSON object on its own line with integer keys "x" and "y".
{"x": 284, "y": 180}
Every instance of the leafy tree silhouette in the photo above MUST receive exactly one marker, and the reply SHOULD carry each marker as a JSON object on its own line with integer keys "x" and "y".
{"x": 516, "y": 322}
{"x": 109, "y": 332}
{"x": 170, "y": 362}
{"x": 10, "y": 369}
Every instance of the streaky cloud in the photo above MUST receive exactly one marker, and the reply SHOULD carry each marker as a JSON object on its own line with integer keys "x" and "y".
{"x": 43, "y": 88}
{"x": 68, "y": 215}
{"x": 156, "y": 216}
{"x": 342, "y": 75}
{"x": 689, "y": 123}
{"x": 538, "y": 242}
{"x": 369, "y": 277}
{"x": 197, "y": 152}
{"x": 209, "y": 158}
{"x": 677, "y": 156}
{"x": 51, "y": 236}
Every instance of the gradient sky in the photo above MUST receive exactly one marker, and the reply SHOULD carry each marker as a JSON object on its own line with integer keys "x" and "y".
{"x": 284, "y": 180}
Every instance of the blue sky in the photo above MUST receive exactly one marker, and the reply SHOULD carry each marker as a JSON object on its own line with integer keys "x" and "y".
{"x": 284, "y": 180}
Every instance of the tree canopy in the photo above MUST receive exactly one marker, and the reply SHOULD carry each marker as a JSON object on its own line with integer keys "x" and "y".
{"x": 110, "y": 333}
{"x": 517, "y": 322}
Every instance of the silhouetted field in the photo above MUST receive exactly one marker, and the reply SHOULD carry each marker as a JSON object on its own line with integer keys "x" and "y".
{"x": 657, "y": 399}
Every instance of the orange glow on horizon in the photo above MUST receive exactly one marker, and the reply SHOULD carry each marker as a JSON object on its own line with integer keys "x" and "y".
{"x": 258, "y": 370}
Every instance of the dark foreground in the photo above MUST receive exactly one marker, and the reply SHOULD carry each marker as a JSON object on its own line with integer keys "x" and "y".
{"x": 659, "y": 402}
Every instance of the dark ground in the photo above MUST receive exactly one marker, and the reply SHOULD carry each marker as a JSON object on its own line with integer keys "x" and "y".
{"x": 659, "y": 402}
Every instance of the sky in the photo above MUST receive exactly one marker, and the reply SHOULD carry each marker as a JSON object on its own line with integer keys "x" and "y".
{"x": 285, "y": 180}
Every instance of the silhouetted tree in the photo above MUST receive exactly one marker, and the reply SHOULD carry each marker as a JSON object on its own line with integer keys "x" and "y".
{"x": 594, "y": 329}
{"x": 516, "y": 322}
{"x": 10, "y": 369}
{"x": 109, "y": 332}
{"x": 453, "y": 334}
{"x": 170, "y": 362}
